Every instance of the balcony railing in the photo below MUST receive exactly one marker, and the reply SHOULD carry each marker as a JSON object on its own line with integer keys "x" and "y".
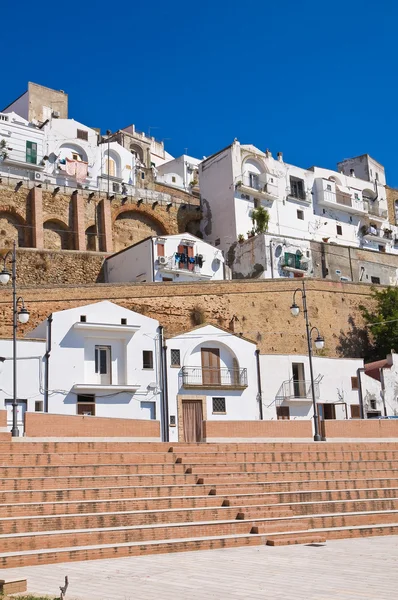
{"x": 297, "y": 390}
{"x": 199, "y": 377}
{"x": 376, "y": 211}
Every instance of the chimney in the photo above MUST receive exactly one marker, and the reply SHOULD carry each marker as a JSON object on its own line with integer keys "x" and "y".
{"x": 352, "y": 172}
{"x": 280, "y": 157}
{"x": 268, "y": 153}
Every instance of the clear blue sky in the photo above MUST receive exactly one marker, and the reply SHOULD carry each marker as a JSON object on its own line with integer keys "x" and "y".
{"x": 316, "y": 80}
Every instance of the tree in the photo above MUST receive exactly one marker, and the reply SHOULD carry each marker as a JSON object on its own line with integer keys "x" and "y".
{"x": 260, "y": 219}
{"x": 382, "y": 322}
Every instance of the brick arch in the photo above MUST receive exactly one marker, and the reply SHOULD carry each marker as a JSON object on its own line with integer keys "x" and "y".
{"x": 132, "y": 224}
{"x": 57, "y": 235}
{"x": 13, "y": 227}
{"x": 188, "y": 217}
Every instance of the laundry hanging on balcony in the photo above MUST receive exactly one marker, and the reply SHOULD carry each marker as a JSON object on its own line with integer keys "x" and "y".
{"x": 75, "y": 168}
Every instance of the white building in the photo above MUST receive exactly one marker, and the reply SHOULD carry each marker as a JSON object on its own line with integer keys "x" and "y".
{"x": 287, "y": 393}
{"x": 181, "y": 172}
{"x": 102, "y": 359}
{"x": 212, "y": 375}
{"x": 304, "y": 204}
{"x": 22, "y": 148}
{"x": 180, "y": 257}
{"x": 379, "y": 387}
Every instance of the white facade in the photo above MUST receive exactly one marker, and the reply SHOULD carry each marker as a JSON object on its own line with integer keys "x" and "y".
{"x": 159, "y": 259}
{"x": 379, "y": 385}
{"x": 286, "y": 385}
{"x": 30, "y": 377}
{"x": 232, "y": 382}
{"x": 181, "y": 172}
{"x": 22, "y": 147}
{"x": 307, "y": 204}
{"x": 103, "y": 360}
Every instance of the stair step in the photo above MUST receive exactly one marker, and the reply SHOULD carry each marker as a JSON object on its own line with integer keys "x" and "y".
{"x": 297, "y": 538}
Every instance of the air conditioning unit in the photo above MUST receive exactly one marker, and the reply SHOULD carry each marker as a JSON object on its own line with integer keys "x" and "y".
{"x": 39, "y": 176}
{"x": 162, "y": 260}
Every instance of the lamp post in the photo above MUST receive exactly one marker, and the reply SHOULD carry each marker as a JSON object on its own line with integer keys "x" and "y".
{"x": 21, "y": 315}
{"x": 319, "y": 344}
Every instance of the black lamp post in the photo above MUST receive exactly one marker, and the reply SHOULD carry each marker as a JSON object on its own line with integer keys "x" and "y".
{"x": 319, "y": 344}
{"x": 21, "y": 316}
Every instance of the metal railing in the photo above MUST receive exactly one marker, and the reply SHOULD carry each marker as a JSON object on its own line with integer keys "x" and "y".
{"x": 254, "y": 183}
{"x": 293, "y": 389}
{"x": 213, "y": 377}
{"x": 376, "y": 211}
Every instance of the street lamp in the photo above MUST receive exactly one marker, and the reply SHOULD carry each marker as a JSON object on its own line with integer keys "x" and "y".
{"x": 21, "y": 315}
{"x": 319, "y": 344}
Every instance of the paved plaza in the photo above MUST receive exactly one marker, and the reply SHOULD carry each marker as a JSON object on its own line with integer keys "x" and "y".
{"x": 339, "y": 570}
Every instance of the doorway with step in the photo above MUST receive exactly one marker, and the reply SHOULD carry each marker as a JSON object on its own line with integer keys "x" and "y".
{"x": 192, "y": 415}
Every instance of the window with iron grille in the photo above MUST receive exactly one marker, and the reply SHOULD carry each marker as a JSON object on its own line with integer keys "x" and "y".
{"x": 219, "y": 405}
{"x": 82, "y": 135}
{"x": 175, "y": 358}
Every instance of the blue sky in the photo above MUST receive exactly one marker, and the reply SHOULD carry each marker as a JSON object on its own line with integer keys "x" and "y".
{"x": 315, "y": 80}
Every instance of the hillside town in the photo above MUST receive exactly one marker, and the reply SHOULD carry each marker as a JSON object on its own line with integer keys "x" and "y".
{"x": 178, "y": 301}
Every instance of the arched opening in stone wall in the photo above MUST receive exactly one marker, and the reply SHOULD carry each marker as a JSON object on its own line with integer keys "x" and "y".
{"x": 194, "y": 228}
{"x": 92, "y": 238}
{"x": 57, "y": 236}
{"x": 12, "y": 228}
{"x": 138, "y": 152}
{"x": 131, "y": 227}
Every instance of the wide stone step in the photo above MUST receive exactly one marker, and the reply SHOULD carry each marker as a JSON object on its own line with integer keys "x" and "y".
{"x": 309, "y": 508}
{"x": 90, "y": 469}
{"x": 215, "y": 458}
{"x": 276, "y": 467}
{"x": 60, "y": 555}
{"x": 313, "y": 475}
{"x": 84, "y": 458}
{"x": 135, "y": 518}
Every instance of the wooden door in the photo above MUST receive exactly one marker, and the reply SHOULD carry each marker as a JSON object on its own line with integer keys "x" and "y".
{"x": 211, "y": 374}
{"x": 192, "y": 415}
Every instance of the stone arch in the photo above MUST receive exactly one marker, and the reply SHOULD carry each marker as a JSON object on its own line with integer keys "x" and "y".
{"x": 137, "y": 151}
{"x": 12, "y": 227}
{"x": 253, "y": 165}
{"x": 335, "y": 179}
{"x": 92, "y": 238}
{"x": 57, "y": 235}
{"x": 131, "y": 226}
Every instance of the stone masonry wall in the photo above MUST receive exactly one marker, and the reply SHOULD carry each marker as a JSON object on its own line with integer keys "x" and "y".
{"x": 259, "y": 310}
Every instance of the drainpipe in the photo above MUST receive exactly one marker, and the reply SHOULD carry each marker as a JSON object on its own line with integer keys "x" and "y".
{"x": 47, "y": 362}
{"x": 152, "y": 260}
{"x": 271, "y": 259}
{"x": 164, "y": 386}
{"x": 260, "y": 395}
{"x": 360, "y": 394}
{"x": 383, "y": 391}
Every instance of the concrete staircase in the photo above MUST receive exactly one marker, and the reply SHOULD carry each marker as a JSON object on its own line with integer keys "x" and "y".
{"x": 68, "y": 501}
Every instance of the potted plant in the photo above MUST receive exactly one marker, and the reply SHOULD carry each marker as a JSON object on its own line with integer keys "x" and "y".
{"x": 260, "y": 220}
{"x": 241, "y": 238}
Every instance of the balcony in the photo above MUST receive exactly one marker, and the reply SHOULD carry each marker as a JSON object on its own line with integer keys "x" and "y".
{"x": 341, "y": 199}
{"x": 293, "y": 390}
{"x": 376, "y": 235}
{"x": 170, "y": 265}
{"x": 251, "y": 184}
{"x": 377, "y": 213}
{"x": 213, "y": 378}
{"x": 293, "y": 263}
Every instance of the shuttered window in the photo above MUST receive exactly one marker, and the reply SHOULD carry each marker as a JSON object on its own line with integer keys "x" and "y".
{"x": 31, "y": 153}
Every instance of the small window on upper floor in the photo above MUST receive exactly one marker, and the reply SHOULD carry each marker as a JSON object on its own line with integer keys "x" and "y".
{"x": 339, "y": 230}
{"x": 82, "y": 135}
{"x": 297, "y": 188}
{"x": 300, "y": 215}
{"x": 142, "y": 175}
{"x": 175, "y": 358}
{"x": 329, "y": 187}
{"x": 147, "y": 359}
{"x": 123, "y": 321}
{"x": 377, "y": 176}
{"x": 382, "y": 248}
{"x": 39, "y": 406}
{"x": 375, "y": 279}
{"x": 354, "y": 383}
{"x": 31, "y": 153}
{"x": 83, "y": 319}
{"x": 173, "y": 179}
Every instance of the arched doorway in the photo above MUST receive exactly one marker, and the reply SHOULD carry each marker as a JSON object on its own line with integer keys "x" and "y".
{"x": 12, "y": 228}
{"x": 92, "y": 239}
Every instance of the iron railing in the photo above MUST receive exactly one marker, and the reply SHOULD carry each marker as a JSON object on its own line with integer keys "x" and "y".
{"x": 213, "y": 377}
{"x": 293, "y": 389}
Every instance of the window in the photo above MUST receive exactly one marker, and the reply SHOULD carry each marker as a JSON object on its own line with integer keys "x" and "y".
{"x": 123, "y": 321}
{"x": 147, "y": 359}
{"x": 39, "y": 406}
{"x": 253, "y": 181}
{"x": 329, "y": 187}
{"x": 375, "y": 279}
{"x": 299, "y": 386}
{"x": 300, "y": 215}
{"x": 339, "y": 230}
{"x": 219, "y": 406}
{"x": 82, "y": 135}
{"x": 142, "y": 175}
{"x": 373, "y": 404}
{"x": 356, "y": 196}
{"x": 86, "y": 405}
{"x": 115, "y": 188}
{"x": 110, "y": 167}
{"x": 217, "y": 242}
{"x": 103, "y": 362}
{"x": 175, "y": 359}
{"x": 382, "y": 248}
{"x": 283, "y": 413}
{"x": 31, "y": 153}
{"x": 354, "y": 383}
{"x": 377, "y": 176}
{"x": 173, "y": 179}
{"x": 355, "y": 411}
{"x": 83, "y": 319}
{"x": 160, "y": 248}
{"x": 297, "y": 188}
